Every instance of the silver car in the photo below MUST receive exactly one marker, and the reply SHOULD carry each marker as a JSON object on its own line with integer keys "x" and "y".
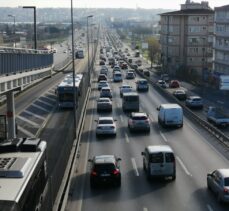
{"x": 139, "y": 121}
{"x": 218, "y": 182}
{"x": 105, "y": 126}
{"x": 104, "y": 104}
{"x": 194, "y": 102}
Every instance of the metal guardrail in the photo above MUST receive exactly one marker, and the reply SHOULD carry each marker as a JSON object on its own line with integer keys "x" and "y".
{"x": 14, "y": 61}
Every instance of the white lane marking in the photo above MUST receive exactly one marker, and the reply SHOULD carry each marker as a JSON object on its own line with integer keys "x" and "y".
{"x": 209, "y": 207}
{"x": 26, "y": 132}
{"x": 122, "y": 120}
{"x": 127, "y": 138}
{"x": 135, "y": 166}
{"x": 44, "y": 102}
{"x": 28, "y": 121}
{"x": 145, "y": 209}
{"x": 38, "y": 116}
{"x": 151, "y": 118}
{"x": 163, "y": 136}
{"x": 86, "y": 155}
{"x": 41, "y": 108}
{"x": 183, "y": 166}
{"x": 49, "y": 98}
{"x": 51, "y": 92}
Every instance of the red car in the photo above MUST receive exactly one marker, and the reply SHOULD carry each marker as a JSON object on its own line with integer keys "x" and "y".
{"x": 174, "y": 84}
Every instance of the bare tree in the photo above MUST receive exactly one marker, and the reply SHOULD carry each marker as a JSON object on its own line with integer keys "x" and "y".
{"x": 153, "y": 49}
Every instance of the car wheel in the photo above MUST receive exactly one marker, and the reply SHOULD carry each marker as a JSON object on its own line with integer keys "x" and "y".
{"x": 92, "y": 185}
{"x": 219, "y": 198}
{"x": 208, "y": 186}
{"x": 174, "y": 177}
{"x": 144, "y": 166}
{"x": 97, "y": 135}
{"x": 118, "y": 184}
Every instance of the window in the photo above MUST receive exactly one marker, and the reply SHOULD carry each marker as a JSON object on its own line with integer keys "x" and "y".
{"x": 226, "y": 181}
{"x": 156, "y": 157}
{"x": 169, "y": 157}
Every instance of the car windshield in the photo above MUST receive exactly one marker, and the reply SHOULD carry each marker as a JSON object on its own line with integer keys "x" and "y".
{"x": 142, "y": 82}
{"x": 226, "y": 181}
{"x": 107, "y": 167}
{"x": 104, "y": 101}
{"x": 105, "y": 121}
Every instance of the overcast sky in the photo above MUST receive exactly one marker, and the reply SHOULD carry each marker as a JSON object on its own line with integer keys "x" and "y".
{"x": 165, "y": 4}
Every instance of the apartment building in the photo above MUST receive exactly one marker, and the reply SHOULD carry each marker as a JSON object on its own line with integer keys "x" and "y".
{"x": 221, "y": 42}
{"x": 187, "y": 39}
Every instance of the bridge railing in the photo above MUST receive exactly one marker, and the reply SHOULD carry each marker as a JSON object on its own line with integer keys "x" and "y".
{"x": 19, "y": 60}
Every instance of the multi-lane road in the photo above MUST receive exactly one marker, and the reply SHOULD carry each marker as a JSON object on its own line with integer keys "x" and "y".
{"x": 197, "y": 153}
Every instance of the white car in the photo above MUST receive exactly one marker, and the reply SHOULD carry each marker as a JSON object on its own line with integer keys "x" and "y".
{"x": 124, "y": 89}
{"x": 105, "y": 126}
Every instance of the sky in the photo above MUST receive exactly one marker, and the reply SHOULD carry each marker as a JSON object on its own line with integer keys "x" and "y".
{"x": 148, "y": 4}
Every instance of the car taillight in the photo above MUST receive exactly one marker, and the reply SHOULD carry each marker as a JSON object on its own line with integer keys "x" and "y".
{"x": 93, "y": 173}
{"x": 112, "y": 127}
{"x": 226, "y": 191}
{"x": 147, "y": 120}
{"x": 116, "y": 172}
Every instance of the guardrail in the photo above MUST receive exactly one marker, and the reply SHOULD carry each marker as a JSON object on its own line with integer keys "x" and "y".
{"x": 19, "y": 60}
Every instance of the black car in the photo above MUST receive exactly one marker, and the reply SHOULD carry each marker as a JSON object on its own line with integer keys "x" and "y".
{"x": 105, "y": 170}
{"x": 146, "y": 73}
{"x": 102, "y": 62}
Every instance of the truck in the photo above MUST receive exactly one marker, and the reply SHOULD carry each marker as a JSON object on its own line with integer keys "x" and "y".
{"x": 217, "y": 117}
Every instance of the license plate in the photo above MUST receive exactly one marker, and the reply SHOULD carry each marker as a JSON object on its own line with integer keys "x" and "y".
{"x": 105, "y": 175}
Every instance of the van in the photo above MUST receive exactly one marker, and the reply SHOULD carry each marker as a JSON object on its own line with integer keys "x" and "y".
{"x": 159, "y": 161}
{"x": 170, "y": 115}
{"x": 130, "y": 101}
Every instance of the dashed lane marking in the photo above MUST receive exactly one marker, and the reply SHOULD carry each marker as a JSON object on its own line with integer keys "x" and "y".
{"x": 28, "y": 121}
{"x": 38, "y": 116}
{"x": 163, "y": 136}
{"x": 183, "y": 166}
{"x": 135, "y": 166}
{"x": 127, "y": 138}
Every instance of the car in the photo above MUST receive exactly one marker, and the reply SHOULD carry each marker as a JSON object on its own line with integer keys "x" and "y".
{"x": 104, "y": 104}
{"x": 125, "y": 88}
{"x": 139, "y": 121}
{"x": 138, "y": 62}
{"x": 104, "y": 67}
{"x": 194, "y": 102}
{"x": 102, "y": 62}
{"x": 134, "y": 66}
{"x": 180, "y": 94}
{"x": 218, "y": 183}
{"x": 106, "y": 92}
{"x": 142, "y": 85}
{"x": 124, "y": 66}
{"x": 117, "y": 77}
{"x": 102, "y": 84}
{"x": 105, "y": 170}
{"x": 130, "y": 75}
{"x": 106, "y": 126}
{"x": 146, "y": 72}
{"x": 159, "y": 161}
{"x": 116, "y": 68}
{"x": 140, "y": 70}
{"x": 102, "y": 77}
{"x": 130, "y": 61}
{"x": 162, "y": 84}
{"x": 174, "y": 84}
{"x": 165, "y": 77}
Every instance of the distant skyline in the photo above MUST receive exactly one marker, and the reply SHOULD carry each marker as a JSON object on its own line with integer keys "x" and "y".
{"x": 147, "y": 4}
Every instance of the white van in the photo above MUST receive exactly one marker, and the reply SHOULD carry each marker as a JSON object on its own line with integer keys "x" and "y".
{"x": 170, "y": 115}
{"x": 159, "y": 161}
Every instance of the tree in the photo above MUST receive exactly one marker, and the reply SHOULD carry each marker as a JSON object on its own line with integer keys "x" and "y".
{"x": 153, "y": 49}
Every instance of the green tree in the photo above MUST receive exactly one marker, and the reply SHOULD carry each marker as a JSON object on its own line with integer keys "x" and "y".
{"x": 153, "y": 49}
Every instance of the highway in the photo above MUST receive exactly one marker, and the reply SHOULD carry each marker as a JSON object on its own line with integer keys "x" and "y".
{"x": 197, "y": 153}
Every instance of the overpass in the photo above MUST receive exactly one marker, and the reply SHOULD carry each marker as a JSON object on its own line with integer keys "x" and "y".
{"x": 20, "y": 68}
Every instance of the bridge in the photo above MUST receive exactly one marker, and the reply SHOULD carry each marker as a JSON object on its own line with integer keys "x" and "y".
{"x": 21, "y": 68}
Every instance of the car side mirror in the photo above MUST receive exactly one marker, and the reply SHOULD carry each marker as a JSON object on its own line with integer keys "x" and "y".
{"x": 143, "y": 153}
{"x": 115, "y": 120}
{"x": 158, "y": 108}
{"x": 119, "y": 159}
{"x": 209, "y": 175}
{"x": 96, "y": 120}
{"x": 89, "y": 160}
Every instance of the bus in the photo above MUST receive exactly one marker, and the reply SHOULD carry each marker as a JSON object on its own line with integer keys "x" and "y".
{"x": 130, "y": 101}
{"x": 65, "y": 91}
{"x": 80, "y": 54}
{"x": 23, "y": 174}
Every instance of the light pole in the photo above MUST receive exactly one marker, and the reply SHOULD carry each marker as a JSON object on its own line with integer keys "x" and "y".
{"x": 73, "y": 70}
{"x": 13, "y": 16}
{"x": 35, "y": 23}
{"x": 88, "y": 53}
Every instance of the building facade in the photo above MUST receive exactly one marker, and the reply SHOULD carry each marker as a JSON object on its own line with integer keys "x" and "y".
{"x": 187, "y": 39}
{"x": 221, "y": 41}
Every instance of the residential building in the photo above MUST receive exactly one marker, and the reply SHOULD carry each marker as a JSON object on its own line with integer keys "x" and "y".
{"x": 187, "y": 39}
{"x": 221, "y": 42}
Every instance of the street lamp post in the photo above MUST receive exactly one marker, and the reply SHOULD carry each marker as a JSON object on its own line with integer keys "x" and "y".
{"x": 13, "y": 16}
{"x": 73, "y": 70}
{"x": 88, "y": 53}
{"x": 35, "y": 23}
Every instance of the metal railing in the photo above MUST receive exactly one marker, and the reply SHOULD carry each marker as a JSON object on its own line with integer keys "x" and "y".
{"x": 19, "y": 60}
